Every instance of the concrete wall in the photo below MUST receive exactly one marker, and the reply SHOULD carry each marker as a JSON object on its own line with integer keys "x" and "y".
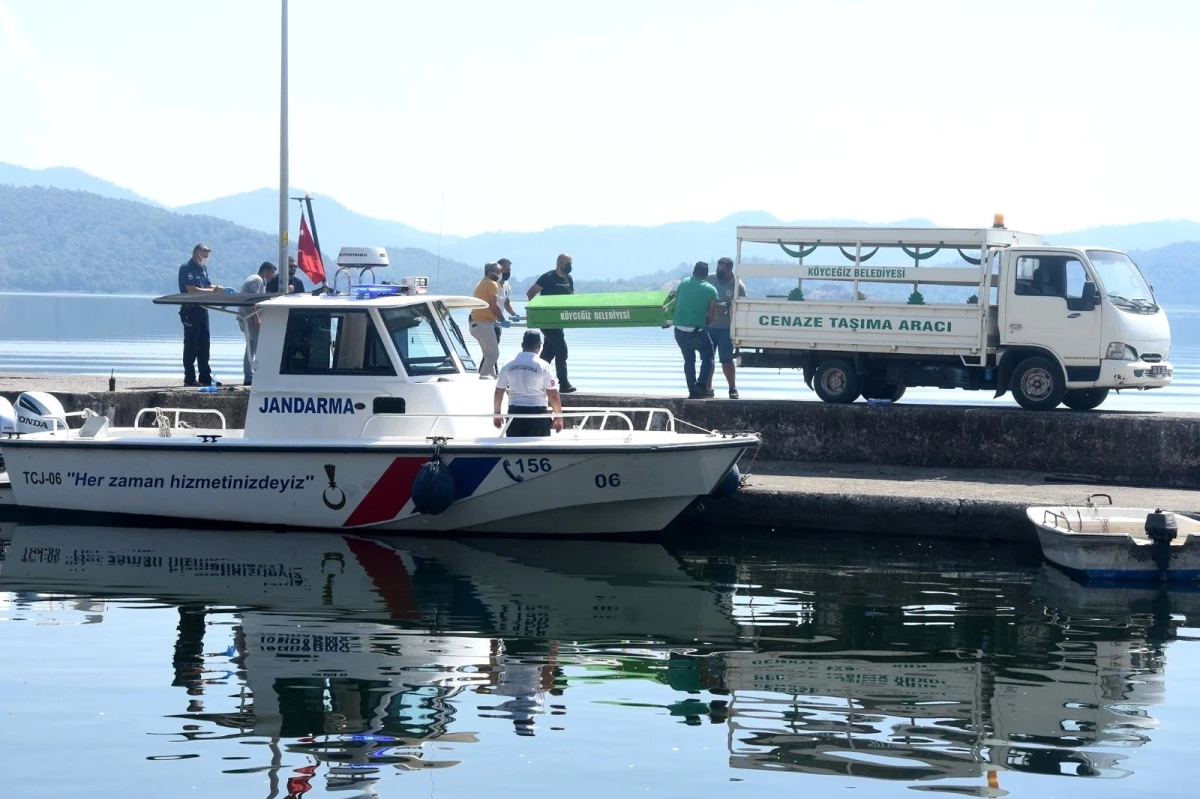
{"x": 1151, "y": 449}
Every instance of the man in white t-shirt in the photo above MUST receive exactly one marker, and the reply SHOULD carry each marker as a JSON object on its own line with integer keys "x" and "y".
{"x": 505, "y": 298}
{"x": 531, "y": 386}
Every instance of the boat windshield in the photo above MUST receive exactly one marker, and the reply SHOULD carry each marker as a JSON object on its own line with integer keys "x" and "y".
{"x": 456, "y": 337}
{"x": 418, "y": 340}
{"x": 1122, "y": 282}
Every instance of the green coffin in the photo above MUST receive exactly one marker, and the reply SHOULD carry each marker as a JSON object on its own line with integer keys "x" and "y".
{"x": 616, "y": 309}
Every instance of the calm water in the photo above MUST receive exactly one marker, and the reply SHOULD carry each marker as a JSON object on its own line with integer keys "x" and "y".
{"x": 88, "y": 334}
{"x": 148, "y": 663}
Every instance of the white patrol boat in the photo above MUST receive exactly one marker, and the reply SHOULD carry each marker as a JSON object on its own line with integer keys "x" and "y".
{"x": 366, "y": 412}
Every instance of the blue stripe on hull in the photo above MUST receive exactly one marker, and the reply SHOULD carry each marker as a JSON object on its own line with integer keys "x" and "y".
{"x": 1131, "y": 575}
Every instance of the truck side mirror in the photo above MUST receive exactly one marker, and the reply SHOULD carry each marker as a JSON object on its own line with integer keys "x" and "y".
{"x": 1091, "y": 295}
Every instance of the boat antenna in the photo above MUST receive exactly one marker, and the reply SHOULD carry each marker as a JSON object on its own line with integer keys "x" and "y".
{"x": 437, "y": 276}
{"x": 283, "y": 143}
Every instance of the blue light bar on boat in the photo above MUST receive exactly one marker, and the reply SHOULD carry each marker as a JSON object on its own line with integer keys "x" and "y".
{"x": 366, "y": 291}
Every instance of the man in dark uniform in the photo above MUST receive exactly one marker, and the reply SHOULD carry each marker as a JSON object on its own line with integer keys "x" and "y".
{"x": 193, "y": 279}
{"x": 555, "y": 282}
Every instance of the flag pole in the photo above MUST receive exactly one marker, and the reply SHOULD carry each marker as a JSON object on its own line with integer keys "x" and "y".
{"x": 283, "y": 147}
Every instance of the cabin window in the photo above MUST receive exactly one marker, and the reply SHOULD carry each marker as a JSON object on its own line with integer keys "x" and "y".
{"x": 1041, "y": 276}
{"x": 418, "y": 340}
{"x": 343, "y": 342}
{"x": 456, "y": 337}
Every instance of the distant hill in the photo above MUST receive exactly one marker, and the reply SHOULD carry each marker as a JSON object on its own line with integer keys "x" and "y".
{"x": 69, "y": 178}
{"x": 609, "y": 252}
{"x": 337, "y": 225}
{"x": 57, "y": 240}
{"x": 612, "y": 256}
{"x": 1139, "y": 236}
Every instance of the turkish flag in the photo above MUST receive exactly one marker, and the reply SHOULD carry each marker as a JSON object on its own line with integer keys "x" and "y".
{"x": 308, "y": 259}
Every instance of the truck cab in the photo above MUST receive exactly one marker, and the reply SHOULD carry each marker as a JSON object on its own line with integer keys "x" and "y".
{"x": 1093, "y": 310}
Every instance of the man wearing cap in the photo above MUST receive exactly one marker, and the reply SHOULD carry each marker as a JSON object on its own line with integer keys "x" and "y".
{"x": 718, "y": 330}
{"x": 484, "y": 320}
{"x": 193, "y": 279}
{"x": 695, "y": 303}
{"x": 505, "y": 295}
{"x": 530, "y": 385}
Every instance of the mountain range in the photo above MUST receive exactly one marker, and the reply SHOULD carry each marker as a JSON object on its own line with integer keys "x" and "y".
{"x": 125, "y": 241}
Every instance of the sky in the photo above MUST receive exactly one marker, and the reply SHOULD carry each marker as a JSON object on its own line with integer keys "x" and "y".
{"x": 466, "y": 116}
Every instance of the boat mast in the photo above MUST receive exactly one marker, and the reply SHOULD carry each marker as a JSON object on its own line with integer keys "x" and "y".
{"x": 283, "y": 153}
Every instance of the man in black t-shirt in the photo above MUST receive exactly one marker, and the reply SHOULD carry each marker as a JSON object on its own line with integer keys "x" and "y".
{"x": 295, "y": 284}
{"x": 554, "y": 350}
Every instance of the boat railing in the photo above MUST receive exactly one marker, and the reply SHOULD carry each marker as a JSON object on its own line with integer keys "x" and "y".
{"x": 161, "y": 414}
{"x": 587, "y": 418}
{"x": 1050, "y": 515}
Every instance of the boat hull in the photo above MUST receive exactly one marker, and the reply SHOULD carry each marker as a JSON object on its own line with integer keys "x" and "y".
{"x": 1105, "y": 544}
{"x": 523, "y": 488}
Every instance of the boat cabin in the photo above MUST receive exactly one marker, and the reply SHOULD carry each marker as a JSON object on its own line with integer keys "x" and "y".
{"x": 368, "y": 364}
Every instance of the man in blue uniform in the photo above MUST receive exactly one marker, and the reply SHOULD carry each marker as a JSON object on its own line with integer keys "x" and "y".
{"x": 193, "y": 278}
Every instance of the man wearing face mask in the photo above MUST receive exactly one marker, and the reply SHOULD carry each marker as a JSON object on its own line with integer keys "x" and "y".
{"x": 483, "y": 320}
{"x": 718, "y": 330}
{"x": 505, "y": 295}
{"x": 553, "y": 283}
{"x": 193, "y": 279}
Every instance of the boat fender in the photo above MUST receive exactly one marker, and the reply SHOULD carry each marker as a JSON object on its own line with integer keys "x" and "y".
{"x": 433, "y": 488}
{"x": 729, "y": 484}
{"x": 1162, "y": 528}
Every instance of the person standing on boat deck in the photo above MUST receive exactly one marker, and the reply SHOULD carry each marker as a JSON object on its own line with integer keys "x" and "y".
{"x": 718, "y": 330}
{"x": 695, "y": 304}
{"x": 249, "y": 321}
{"x": 193, "y": 279}
{"x": 505, "y": 295}
{"x": 554, "y": 283}
{"x": 530, "y": 386}
{"x": 295, "y": 284}
{"x": 483, "y": 320}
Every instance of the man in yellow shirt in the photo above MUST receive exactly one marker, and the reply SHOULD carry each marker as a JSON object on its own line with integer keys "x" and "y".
{"x": 484, "y": 320}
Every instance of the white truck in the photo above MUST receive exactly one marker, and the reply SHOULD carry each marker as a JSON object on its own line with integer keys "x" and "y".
{"x": 1051, "y": 324}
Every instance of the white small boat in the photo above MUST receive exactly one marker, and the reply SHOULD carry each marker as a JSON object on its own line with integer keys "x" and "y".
{"x": 366, "y": 412}
{"x": 1102, "y": 542}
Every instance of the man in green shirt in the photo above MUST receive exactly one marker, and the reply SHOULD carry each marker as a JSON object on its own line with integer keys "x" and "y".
{"x": 695, "y": 303}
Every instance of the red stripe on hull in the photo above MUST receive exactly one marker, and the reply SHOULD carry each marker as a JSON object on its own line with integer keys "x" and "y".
{"x": 389, "y": 495}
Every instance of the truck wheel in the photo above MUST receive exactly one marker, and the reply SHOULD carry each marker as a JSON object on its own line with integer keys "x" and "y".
{"x": 835, "y": 381}
{"x": 1038, "y": 384}
{"x": 877, "y": 389}
{"x": 1084, "y": 399}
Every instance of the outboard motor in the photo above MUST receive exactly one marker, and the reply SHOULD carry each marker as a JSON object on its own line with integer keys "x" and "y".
{"x": 39, "y": 412}
{"x": 1162, "y": 529}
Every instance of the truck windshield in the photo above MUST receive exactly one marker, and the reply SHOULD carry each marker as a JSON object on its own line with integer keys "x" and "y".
{"x": 1123, "y": 282}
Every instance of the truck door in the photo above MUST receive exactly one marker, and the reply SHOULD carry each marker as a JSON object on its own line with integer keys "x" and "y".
{"x": 1045, "y": 306}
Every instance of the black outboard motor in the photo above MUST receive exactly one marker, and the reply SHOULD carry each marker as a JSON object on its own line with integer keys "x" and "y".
{"x": 1162, "y": 529}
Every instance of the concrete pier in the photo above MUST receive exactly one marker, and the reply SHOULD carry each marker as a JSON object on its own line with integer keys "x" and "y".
{"x": 928, "y": 470}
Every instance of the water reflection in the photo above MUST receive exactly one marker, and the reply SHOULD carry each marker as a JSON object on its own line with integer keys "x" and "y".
{"x": 359, "y": 652}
